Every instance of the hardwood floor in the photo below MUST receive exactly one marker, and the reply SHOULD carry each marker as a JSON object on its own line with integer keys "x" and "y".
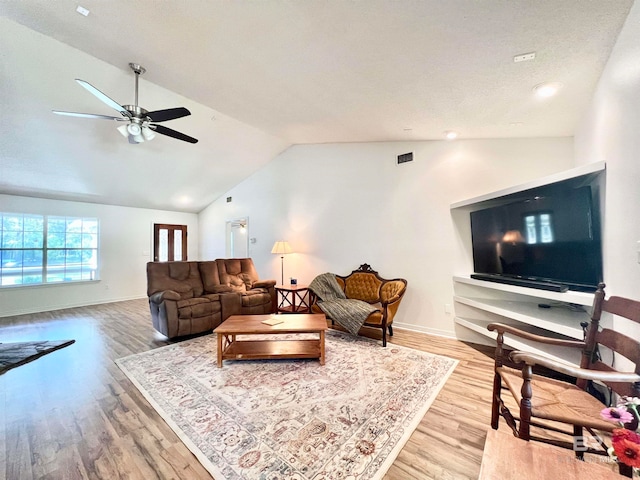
{"x": 73, "y": 414}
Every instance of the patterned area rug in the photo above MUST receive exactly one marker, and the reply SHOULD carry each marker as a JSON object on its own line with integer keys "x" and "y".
{"x": 15, "y": 354}
{"x": 292, "y": 419}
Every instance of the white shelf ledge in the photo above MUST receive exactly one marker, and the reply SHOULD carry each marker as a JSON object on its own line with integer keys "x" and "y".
{"x": 578, "y": 298}
{"x": 555, "y": 319}
{"x": 558, "y": 177}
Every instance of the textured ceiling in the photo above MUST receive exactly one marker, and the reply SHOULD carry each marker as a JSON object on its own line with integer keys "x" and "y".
{"x": 275, "y": 73}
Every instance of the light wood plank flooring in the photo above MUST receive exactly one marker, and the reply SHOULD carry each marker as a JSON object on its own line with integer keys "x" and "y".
{"x": 73, "y": 414}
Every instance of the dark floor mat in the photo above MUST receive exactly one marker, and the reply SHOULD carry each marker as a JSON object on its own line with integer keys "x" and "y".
{"x": 15, "y": 354}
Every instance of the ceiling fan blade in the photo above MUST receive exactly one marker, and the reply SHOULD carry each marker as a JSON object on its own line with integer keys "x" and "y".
{"x": 103, "y": 98}
{"x": 168, "y": 114}
{"x": 172, "y": 133}
{"x": 88, "y": 115}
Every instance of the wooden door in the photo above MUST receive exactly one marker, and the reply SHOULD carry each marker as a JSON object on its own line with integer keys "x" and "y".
{"x": 169, "y": 242}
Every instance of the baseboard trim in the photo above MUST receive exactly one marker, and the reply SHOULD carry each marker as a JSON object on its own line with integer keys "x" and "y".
{"x": 51, "y": 308}
{"x": 421, "y": 329}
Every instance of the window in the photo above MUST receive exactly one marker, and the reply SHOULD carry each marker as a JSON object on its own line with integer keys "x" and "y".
{"x": 538, "y": 228}
{"x": 36, "y": 249}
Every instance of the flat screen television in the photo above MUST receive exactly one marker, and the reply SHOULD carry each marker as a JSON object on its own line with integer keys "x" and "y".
{"x": 550, "y": 234}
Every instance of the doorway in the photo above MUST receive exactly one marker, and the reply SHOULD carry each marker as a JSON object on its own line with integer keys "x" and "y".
{"x": 237, "y": 238}
{"x": 169, "y": 242}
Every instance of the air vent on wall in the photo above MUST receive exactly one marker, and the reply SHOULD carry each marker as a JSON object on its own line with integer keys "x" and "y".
{"x": 405, "y": 157}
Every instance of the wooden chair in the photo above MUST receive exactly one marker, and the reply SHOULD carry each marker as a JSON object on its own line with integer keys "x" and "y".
{"x": 548, "y": 403}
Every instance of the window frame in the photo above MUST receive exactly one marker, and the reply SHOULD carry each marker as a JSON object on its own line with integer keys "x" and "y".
{"x": 47, "y": 268}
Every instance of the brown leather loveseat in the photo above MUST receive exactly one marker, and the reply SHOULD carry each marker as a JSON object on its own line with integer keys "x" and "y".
{"x": 186, "y": 298}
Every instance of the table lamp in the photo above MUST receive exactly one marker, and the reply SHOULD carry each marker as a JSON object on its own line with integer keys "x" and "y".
{"x": 281, "y": 247}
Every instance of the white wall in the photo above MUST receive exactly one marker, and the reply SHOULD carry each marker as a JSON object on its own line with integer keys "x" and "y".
{"x": 611, "y": 132}
{"x": 341, "y": 205}
{"x": 126, "y": 245}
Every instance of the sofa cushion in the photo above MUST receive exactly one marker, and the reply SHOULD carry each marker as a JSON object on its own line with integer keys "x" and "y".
{"x": 210, "y": 277}
{"x": 253, "y": 298}
{"x": 197, "y": 307}
{"x": 236, "y": 283}
{"x": 238, "y": 273}
{"x": 181, "y": 277}
{"x": 212, "y": 297}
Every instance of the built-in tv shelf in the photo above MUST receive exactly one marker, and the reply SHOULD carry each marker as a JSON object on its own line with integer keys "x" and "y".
{"x": 576, "y": 298}
{"x": 478, "y": 303}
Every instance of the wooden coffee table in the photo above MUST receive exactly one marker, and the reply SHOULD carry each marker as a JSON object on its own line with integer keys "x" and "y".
{"x": 230, "y": 348}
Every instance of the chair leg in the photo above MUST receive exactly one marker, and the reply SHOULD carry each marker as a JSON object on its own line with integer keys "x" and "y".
{"x": 390, "y": 331}
{"x": 495, "y": 403}
{"x": 384, "y": 337}
{"x": 525, "y": 404}
{"x": 577, "y": 432}
{"x": 625, "y": 470}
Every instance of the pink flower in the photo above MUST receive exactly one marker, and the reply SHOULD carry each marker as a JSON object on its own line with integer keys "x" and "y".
{"x": 617, "y": 414}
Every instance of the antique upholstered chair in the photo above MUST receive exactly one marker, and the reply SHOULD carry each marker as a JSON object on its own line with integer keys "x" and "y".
{"x": 365, "y": 284}
{"x": 549, "y": 403}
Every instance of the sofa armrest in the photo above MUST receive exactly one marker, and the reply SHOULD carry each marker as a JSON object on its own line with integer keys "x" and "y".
{"x": 392, "y": 291}
{"x": 160, "y": 297}
{"x": 391, "y": 300}
{"x": 231, "y": 304}
{"x": 263, "y": 284}
{"x": 221, "y": 289}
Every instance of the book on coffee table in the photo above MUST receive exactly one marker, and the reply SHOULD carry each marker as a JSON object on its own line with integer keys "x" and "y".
{"x": 273, "y": 321}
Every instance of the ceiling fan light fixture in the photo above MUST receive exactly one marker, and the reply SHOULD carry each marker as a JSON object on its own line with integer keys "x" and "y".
{"x": 134, "y": 129}
{"x": 148, "y": 134}
{"x": 123, "y": 130}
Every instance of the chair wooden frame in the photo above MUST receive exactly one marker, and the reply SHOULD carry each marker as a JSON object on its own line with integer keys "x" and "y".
{"x": 514, "y": 371}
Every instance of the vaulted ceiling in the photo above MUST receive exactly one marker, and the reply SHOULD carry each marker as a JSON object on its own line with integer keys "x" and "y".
{"x": 260, "y": 76}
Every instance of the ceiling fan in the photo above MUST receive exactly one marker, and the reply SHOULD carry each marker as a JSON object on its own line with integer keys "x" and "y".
{"x": 141, "y": 125}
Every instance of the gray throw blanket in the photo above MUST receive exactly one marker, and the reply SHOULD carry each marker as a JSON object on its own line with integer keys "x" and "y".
{"x": 349, "y": 313}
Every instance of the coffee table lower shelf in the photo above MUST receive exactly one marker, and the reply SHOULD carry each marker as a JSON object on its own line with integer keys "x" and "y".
{"x": 266, "y": 350}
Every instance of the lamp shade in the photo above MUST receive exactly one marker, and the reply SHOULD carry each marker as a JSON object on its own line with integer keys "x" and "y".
{"x": 281, "y": 247}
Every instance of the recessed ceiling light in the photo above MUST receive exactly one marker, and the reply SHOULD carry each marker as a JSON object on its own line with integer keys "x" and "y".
{"x": 545, "y": 90}
{"x": 450, "y": 134}
{"x": 82, "y": 11}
